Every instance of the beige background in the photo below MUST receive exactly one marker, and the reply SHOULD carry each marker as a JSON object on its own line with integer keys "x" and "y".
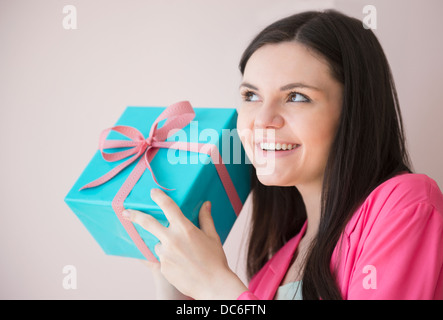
{"x": 59, "y": 88}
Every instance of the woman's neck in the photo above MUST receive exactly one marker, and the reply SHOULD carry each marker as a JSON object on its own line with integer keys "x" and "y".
{"x": 311, "y": 195}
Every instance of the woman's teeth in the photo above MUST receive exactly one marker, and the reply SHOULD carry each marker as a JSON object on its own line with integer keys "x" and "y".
{"x": 277, "y": 146}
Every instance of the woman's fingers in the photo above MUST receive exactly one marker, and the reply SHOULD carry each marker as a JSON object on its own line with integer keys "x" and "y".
{"x": 168, "y": 206}
{"x": 206, "y": 221}
{"x": 170, "y": 209}
{"x": 147, "y": 222}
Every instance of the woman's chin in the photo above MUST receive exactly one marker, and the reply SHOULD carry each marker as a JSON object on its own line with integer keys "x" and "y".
{"x": 272, "y": 180}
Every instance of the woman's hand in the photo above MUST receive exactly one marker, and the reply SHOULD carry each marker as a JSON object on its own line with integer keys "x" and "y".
{"x": 191, "y": 259}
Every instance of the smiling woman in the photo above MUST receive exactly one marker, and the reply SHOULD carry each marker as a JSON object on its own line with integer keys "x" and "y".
{"x": 321, "y": 81}
{"x": 338, "y": 199}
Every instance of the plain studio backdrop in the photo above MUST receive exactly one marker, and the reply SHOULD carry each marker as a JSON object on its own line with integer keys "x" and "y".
{"x": 59, "y": 88}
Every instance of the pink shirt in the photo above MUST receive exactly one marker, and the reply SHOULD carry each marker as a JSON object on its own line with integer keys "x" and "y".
{"x": 392, "y": 248}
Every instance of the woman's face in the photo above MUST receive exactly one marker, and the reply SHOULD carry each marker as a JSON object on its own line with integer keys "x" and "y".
{"x": 289, "y": 114}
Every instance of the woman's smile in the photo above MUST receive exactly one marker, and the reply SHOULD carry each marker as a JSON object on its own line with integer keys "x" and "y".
{"x": 275, "y": 149}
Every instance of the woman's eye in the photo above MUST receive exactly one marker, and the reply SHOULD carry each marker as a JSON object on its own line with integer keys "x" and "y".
{"x": 250, "y": 96}
{"x": 297, "y": 97}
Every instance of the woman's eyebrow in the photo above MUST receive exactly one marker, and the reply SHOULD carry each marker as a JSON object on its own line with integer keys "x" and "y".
{"x": 298, "y": 85}
{"x": 284, "y": 88}
{"x": 248, "y": 85}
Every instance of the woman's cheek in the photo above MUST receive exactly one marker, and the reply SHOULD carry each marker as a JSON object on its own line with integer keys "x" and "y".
{"x": 244, "y": 130}
{"x": 318, "y": 137}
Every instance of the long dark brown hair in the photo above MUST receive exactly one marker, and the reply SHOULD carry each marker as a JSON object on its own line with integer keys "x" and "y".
{"x": 369, "y": 146}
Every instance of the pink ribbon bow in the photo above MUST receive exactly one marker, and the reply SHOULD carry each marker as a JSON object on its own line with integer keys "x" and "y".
{"x": 177, "y": 116}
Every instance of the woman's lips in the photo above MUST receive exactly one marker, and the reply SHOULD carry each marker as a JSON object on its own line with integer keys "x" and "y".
{"x": 279, "y": 146}
{"x": 278, "y": 149}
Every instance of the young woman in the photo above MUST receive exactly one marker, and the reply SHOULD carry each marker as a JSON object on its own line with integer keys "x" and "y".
{"x": 337, "y": 213}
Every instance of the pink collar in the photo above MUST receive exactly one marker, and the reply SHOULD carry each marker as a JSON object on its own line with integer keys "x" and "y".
{"x": 267, "y": 281}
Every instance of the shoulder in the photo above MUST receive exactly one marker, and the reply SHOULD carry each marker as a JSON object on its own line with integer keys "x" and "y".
{"x": 397, "y": 227}
{"x": 407, "y": 189}
{"x": 403, "y": 195}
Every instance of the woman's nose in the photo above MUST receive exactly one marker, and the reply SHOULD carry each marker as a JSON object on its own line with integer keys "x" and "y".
{"x": 268, "y": 117}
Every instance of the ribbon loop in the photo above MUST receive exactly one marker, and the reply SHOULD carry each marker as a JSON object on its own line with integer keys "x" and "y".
{"x": 177, "y": 116}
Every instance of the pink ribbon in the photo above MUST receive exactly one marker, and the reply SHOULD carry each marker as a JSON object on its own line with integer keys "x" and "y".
{"x": 177, "y": 116}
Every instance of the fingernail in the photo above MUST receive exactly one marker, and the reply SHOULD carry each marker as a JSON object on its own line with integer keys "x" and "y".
{"x": 126, "y": 214}
{"x": 208, "y": 205}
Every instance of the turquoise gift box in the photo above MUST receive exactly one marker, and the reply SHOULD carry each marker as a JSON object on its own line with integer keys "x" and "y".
{"x": 191, "y": 175}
